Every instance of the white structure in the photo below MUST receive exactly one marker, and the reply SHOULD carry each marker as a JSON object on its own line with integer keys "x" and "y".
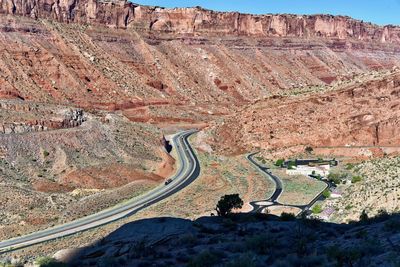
{"x": 336, "y": 194}
{"x": 322, "y": 170}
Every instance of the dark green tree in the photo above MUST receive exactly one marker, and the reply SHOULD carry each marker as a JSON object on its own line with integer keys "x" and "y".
{"x": 227, "y": 203}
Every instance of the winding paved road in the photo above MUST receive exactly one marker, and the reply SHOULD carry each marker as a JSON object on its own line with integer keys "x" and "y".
{"x": 189, "y": 170}
{"x": 273, "y": 200}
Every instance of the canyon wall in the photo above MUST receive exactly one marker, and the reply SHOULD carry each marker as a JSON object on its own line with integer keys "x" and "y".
{"x": 359, "y": 115}
{"x": 122, "y": 14}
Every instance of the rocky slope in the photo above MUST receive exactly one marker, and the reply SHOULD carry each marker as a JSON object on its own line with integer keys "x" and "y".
{"x": 118, "y": 55}
{"x": 362, "y": 114}
{"x": 243, "y": 241}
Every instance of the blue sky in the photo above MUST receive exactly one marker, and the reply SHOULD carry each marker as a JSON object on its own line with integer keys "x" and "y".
{"x": 377, "y": 11}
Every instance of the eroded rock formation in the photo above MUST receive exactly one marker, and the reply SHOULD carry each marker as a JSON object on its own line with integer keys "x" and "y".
{"x": 122, "y": 14}
{"x": 363, "y": 115}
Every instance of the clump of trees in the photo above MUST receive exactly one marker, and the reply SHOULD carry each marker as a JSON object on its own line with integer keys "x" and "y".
{"x": 337, "y": 178}
{"x": 227, "y": 203}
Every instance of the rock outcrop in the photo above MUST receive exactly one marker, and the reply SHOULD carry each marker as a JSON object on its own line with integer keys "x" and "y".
{"x": 21, "y": 117}
{"x": 123, "y": 14}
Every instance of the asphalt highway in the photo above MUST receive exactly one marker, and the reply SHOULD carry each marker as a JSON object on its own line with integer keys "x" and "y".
{"x": 188, "y": 171}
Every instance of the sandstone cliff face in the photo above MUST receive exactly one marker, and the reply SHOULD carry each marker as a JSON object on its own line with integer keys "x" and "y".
{"x": 365, "y": 114}
{"x": 122, "y": 14}
{"x": 200, "y": 21}
{"x": 109, "y": 13}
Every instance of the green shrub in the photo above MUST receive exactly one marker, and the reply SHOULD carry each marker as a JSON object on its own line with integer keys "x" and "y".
{"x": 348, "y": 207}
{"x": 279, "y": 162}
{"x": 356, "y": 179}
{"x": 317, "y": 209}
{"x": 326, "y": 193}
{"x": 335, "y": 178}
{"x": 46, "y": 154}
{"x": 292, "y": 165}
{"x": 349, "y": 166}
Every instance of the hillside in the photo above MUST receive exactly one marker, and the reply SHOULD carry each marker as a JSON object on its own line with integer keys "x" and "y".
{"x": 91, "y": 89}
{"x": 176, "y": 56}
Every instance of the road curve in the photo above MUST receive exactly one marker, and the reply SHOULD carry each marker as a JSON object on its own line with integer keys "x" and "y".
{"x": 278, "y": 191}
{"x": 188, "y": 171}
{"x": 278, "y": 185}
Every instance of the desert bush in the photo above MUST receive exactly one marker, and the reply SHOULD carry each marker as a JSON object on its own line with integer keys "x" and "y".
{"x": 244, "y": 260}
{"x": 356, "y": 179}
{"x": 349, "y": 166}
{"x": 343, "y": 257}
{"x": 334, "y": 178}
{"x": 139, "y": 250}
{"x": 205, "y": 258}
{"x": 317, "y": 209}
{"x": 392, "y": 225}
{"x": 49, "y": 262}
{"x": 364, "y": 217}
{"x": 326, "y": 193}
{"x": 187, "y": 239}
{"x": 260, "y": 244}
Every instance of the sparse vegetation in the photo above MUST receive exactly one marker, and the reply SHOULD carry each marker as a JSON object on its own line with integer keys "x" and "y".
{"x": 49, "y": 262}
{"x": 205, "y": 258}
{"x": 46, "y": 153}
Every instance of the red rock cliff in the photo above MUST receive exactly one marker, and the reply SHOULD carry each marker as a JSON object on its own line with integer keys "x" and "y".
{"x": 122, "y": 14}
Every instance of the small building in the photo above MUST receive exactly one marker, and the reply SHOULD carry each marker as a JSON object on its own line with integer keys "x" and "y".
{"x": 309, "y": 167}
{"x": 336, "y": 194}
{"x": 311, "y": 162}
{"x": 321, "y": 170}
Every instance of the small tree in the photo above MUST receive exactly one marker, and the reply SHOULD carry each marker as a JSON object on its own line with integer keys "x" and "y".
{"x": 292, "y": 165}
{"x": 227, "y": 203}
{"x": 309, "y": 149}
{"x": 317, "y": 209}
{"x": 326, "y": 193}
{"x": 364, "y": 216}
{"x": 279, "y": 162}
{"x": 334, "y": 178}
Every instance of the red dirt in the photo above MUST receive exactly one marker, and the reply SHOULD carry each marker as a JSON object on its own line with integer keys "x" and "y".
{"x": 108, "y": 176}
